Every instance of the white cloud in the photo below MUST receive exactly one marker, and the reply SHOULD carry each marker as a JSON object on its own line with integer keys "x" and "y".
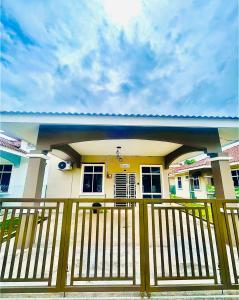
{"x": 120, "y": 56}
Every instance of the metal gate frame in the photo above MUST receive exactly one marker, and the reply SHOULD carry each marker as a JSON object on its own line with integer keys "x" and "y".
{"x": 223, "y": 236}
{"x": 223, "y": 233}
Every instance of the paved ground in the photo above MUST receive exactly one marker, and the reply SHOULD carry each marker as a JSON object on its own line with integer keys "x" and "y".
{"x": 227, "y": 295}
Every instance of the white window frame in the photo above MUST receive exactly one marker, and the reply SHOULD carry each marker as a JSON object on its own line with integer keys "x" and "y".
{"x": 237, "y": 176}
{"x": 180, "y": 188}
{"x": 82, "y": 180}
{"x": 4, "y": 172}
{"x": 199, "y": 183}
{"x": 161, "y": 180}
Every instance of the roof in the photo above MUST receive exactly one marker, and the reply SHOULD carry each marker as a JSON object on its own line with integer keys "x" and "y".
{"x": 115, "y": 115}
{"x": 13, "y": 145}
{"x": 232, "y": 153}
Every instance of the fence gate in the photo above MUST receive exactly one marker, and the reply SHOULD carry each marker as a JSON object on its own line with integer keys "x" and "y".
{"x": 104, "y": 249}
{"x": 50, "y": 245}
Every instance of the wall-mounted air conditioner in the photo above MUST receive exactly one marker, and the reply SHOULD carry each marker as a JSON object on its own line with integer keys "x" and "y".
{"x": 65, "y": 166}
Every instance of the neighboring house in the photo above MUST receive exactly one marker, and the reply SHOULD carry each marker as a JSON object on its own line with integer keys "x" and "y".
{"x": 196, "y": 180}
{"x": 13, "y": 168}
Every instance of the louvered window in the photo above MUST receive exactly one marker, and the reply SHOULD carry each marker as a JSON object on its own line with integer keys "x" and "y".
{"x": 124, "y": 185}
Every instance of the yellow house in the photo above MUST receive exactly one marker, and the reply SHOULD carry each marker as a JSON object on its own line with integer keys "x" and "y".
{"x": 117, "y": 156}
{"x": 111, "y": 169}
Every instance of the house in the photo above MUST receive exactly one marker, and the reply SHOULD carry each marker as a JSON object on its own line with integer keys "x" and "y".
{"x": 117, "y": 156}
{"x": 196, "y": 180}
{"x": 13, "y": 167}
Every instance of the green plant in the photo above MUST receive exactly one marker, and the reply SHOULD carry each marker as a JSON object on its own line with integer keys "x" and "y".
{"x": 172, "y": 190}
{"x": 189, "y": 161}
{"x": 237, "y": 192}
{"x": 210, "y": 188}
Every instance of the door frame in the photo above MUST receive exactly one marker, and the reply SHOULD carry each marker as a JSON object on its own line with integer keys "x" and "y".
{"x": 125, "y": 173}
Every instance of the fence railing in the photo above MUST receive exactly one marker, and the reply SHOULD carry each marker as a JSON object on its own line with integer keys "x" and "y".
{"x": 147, "y": 245}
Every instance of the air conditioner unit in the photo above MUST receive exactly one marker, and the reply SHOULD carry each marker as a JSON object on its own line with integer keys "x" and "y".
{"x": 65, "y": 165}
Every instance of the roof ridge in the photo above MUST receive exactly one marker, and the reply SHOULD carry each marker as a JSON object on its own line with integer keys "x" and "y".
{"x": 118, "y": 114}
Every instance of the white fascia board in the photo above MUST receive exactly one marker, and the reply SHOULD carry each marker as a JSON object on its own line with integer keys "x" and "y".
{"x": 191, "y": 169}
{"x": 119, "y": 121}
{"x": 2, "y": 148}
{"x": 234, "y": 163}
{"x": 230, "y": 146}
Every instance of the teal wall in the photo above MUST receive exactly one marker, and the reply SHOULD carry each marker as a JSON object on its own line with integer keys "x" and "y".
{"x": 12, "y": 158}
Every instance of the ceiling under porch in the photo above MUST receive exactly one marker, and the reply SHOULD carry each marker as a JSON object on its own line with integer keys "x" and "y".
{"x": 129, "y": 147}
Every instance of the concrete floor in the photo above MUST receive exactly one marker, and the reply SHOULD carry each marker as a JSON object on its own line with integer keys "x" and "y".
{"x": 199, "y": 295}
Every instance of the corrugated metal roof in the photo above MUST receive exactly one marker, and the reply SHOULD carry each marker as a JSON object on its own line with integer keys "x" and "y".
{"x": 115, "y": 115}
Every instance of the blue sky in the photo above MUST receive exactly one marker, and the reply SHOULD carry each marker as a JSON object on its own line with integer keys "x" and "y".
{"x": 120, "y": 56}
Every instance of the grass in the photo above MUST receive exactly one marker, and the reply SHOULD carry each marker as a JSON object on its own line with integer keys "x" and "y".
{"x": 15, "y": 225}
{"x": 195, "y": 204}
{"x": 7, "y": 225}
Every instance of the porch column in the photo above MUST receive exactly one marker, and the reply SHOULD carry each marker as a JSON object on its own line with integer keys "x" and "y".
{"x": 222, "y": 176}
{"x": 32, "y": 189}
{"x": 166, "y": 192}
{"x": 35, "y": 174}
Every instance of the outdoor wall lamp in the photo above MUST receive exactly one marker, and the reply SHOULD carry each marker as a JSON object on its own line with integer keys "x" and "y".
{"x": 118, "y": 154}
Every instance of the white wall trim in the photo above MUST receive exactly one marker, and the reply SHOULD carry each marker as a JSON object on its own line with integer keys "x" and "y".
{"x": 12, "y": 151}
{"x": 37, "y": 156}
{"x": 220, "y": 158}
{"x": 234, "y": 163}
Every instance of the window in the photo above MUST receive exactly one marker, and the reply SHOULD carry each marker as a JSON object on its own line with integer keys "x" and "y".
{"x": 180, "y": 183}
{"x": 151, "y": 182}
{"x": 93, "y": 179}
{"x": 235, "y": 178}
{"x": 5, "y": 175}
{"x": 196, "y": 183}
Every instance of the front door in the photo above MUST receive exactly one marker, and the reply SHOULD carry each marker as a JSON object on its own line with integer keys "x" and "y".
{"x": 151, "y": 182}
{"x": 125, "y": 185}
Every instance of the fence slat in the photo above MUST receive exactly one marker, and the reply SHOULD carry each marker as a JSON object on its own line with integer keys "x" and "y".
{"x": 74, "y": 242}
{"x": 9, "y": 232}
{"x": 104, "y": 244}
{"x": 203, "y": 243}
{"x": 38, "y": 243}
{"x": 175, "y": 242}
{"x": 96, "y": 243}
{"x": 183, "y": 244}
{"x": 154, "y": 245}
{"x": 197, "y": 244}
{"x": 82, "y": 243}
{"x": 89, "y": 245}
